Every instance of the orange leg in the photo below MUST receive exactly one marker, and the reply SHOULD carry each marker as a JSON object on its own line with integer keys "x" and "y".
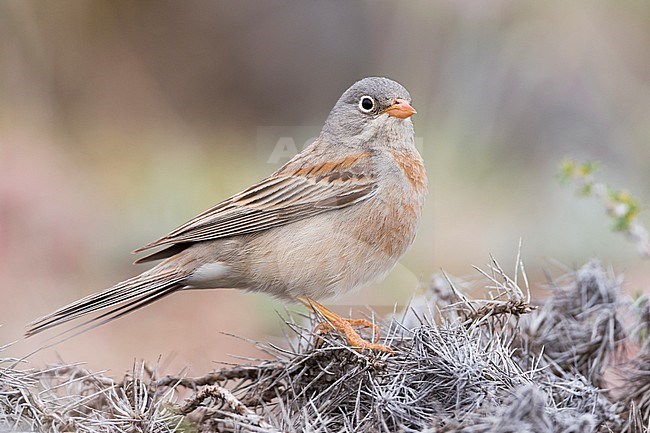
{"x": 334, "y": 322}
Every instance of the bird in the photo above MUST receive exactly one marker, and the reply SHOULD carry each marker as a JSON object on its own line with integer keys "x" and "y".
{"x": 335, "y": 217}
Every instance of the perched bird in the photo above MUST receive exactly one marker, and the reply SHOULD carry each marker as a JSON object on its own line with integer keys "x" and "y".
{"x": 335, "y": 217}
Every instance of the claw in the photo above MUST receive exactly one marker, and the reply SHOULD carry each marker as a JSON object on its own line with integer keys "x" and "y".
{"x": 346, "y": 327}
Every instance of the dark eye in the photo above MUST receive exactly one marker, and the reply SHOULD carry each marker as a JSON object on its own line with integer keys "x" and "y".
{"x": 366, "y": 104}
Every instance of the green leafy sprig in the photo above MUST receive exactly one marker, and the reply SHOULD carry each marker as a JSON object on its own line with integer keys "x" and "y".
{"x": 619, "y": 204}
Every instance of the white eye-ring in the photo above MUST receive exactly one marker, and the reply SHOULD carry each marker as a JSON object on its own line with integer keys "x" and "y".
{"x": 366, "y": 104}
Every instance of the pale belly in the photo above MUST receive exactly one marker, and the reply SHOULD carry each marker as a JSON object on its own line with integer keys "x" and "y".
{"x": 324, "y": 257}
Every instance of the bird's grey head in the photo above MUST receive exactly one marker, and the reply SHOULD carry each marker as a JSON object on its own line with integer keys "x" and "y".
{"x": 372, "y": 107}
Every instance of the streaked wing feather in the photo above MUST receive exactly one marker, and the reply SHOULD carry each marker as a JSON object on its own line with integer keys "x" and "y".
{"x": 273, "y": 202}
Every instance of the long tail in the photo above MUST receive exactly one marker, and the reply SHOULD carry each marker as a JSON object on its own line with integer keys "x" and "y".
{"x": 121, "y": 299}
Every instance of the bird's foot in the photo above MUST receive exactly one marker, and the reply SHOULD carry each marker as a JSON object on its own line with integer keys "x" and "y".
{"x": 347, "y": 328}
{"x": 334, "y": 322}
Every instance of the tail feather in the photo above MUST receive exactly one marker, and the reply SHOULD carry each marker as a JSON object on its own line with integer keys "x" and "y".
{"x": 126, "y": 297}
{"x": 110, "y": 315}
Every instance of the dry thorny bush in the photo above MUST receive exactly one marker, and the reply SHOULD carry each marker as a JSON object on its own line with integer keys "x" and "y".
{"x": 460, "y": 365}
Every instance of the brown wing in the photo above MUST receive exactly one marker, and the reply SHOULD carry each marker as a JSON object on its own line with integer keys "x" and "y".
{"x": 275, "y": 201}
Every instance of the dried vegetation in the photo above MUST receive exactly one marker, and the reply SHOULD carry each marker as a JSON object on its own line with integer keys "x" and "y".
{"x": 577, "y": 362}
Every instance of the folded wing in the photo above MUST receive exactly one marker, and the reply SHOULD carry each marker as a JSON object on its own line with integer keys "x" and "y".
{"x": 273, "y": 202}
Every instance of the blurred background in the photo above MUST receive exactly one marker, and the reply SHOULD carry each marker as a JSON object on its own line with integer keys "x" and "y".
{"x": 121, "y": 120}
